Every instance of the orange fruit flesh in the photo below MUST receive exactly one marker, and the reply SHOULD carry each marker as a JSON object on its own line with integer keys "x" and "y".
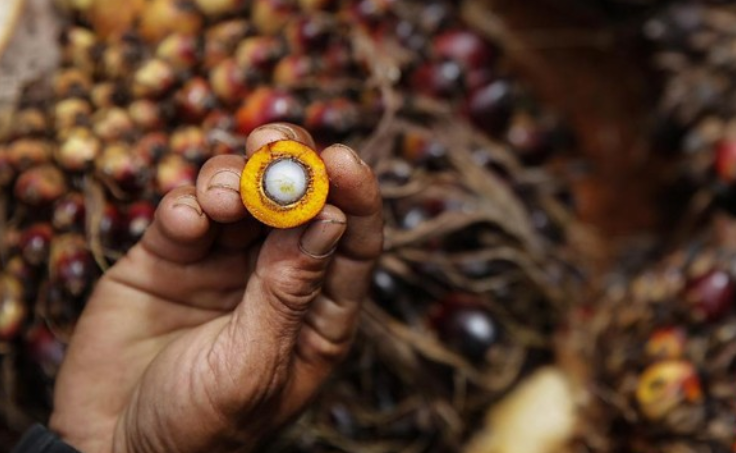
{"x": 264, "y": 207}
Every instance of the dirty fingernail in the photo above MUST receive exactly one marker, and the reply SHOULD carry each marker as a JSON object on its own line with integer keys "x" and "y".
{"x": 352, "y": 153}
{"x": 188, "y": 202}
{"x": 321, "y": 237}
{"x": 225, "y": 179}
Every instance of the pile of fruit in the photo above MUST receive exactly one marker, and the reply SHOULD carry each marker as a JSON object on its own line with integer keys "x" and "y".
{"x": 474, "y": 279}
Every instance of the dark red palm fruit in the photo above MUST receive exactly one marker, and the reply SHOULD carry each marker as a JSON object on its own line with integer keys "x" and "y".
{"x": 293, "y": 70}
{"x": 194, "y": 100}
{"x": 529, "y": 138}
{"x": 309, "y": 33}
{"x": 268, "y": 105}
{"x": 146, "y": 114}
{"x": 491, "y": 106}
{"x": 190, "y": 142}
{"x": 69, "y": 213}
{"x": 72, "y": 83}
{"x": 270, "y": 16}
{"x": 154, "y": 79}
{"x": 113, "y": 124}
{"x": 13, "y": 310}
{"x": 78, "y": 150}
{"x": 140, "y": 216}
{"x": 260, "y": 53}
{"x": 710, "y": 296}
{"x": 423, "y": 151}
{"x": 393, "y": 294}
{"x": 337, "y": 60}
{"x": 151, "y": 147}
{"x": 119, "y": 165}
{"x": 28, "y": 152}
{"x": 71, "y": 265}
{"x": 174, "y": 171}
{"x": 464, "y": 47}
{"x": 180, "y": 50}
{"x": 479, "y": 78}
{"x": 221, "y": 40}
{"x": 331, "y": 120}
{"x": 35, "y": 242}
{"x": 725, "y": 160}
{"x": 464, "y": 324}
{"x": 40, "y": 185}
{"x": 229, "y": 82}
{"x": 44, "y": 349}
{"x": 440, "y": 79}
{"x": 29, "y": 122}
{"x": 386, "y": 288}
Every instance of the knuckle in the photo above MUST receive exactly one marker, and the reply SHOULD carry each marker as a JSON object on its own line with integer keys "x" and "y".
{"x": 323, "y": 348}
{"x": 294, "y": 289}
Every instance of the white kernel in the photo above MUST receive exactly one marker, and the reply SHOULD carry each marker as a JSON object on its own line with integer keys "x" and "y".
{"x": 285, "y": 181}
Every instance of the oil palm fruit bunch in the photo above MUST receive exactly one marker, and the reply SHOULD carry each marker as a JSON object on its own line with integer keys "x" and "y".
{"x": 474, "y": 278}
{"x": 659, "y": 352}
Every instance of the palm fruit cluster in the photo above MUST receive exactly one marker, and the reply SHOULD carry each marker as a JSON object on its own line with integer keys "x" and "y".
{"x": 659, "y": 345}
{"x": 474, "y": 278}
{"x": 660, "y": 354}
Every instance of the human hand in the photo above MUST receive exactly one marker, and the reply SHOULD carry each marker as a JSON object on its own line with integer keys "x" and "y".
{"x": 212, "y": 333}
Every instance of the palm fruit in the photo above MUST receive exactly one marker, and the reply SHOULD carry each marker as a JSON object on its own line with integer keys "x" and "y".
{"x": 471, "y": 286}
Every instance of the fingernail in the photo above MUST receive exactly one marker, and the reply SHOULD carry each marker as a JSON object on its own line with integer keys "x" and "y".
{"x": 188, "y": 202}
{"x": 280, "y": 128}
{"x": 225, "y": 179}
{"x": 321, "y": 238}
{"x": 352, "y": 153}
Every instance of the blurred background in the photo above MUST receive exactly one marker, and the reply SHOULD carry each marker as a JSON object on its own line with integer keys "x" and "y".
{"x": 558, "y": 180}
